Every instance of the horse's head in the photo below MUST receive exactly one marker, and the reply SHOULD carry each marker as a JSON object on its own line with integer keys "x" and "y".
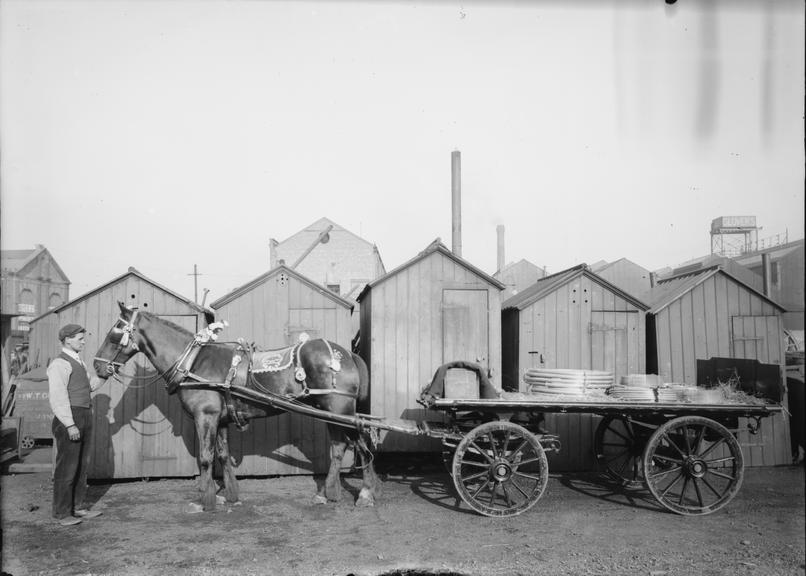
{"x": 120, "y": 343}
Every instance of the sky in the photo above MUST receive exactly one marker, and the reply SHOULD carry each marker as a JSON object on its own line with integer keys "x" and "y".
{"x": 163, "y": 135}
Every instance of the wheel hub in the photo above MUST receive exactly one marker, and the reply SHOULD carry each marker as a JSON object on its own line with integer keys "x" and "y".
{"x": 501, "y": 470}
{"x": 696, "y": 467}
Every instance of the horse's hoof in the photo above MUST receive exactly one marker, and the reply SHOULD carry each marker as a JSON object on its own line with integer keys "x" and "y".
{"x": 364, "y": 503}
{"x": 219, "y": 499}
{"x": 319, "y": 499}
{"x": 193, "y": 508}
{"x": 236, "y": 503}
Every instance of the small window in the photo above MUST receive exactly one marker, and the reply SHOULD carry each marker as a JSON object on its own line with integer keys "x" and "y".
{"x": 334, "y": 288}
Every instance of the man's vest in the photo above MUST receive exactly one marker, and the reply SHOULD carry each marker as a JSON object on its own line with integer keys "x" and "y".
{"x": 78, "y": 387}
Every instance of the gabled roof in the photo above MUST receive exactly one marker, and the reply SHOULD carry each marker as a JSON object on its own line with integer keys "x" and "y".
{"x": 670, "y": 289}
{"x": 549, "y": 284}
{"x": 523, "y": 262}
{"x": 320, "y": 225}
{"x": 17, "y": 261}
{"x": 131, "y": 272}
{"x": 601, "y": 266}
{"x": 435, "y": 247}
{"x": 227, "y": 298}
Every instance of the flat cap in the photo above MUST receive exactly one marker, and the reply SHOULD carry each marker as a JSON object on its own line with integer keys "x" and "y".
{"x": 69, "y": 330}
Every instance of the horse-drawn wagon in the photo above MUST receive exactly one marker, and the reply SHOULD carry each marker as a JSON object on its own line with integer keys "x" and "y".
{"x": 686, "y": 454}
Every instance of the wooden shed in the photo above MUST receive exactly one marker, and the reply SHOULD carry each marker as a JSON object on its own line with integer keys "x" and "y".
{"x": 272, "y": 311}
{"x": 572, "y": 319}
{"x": 433, "y": 309}
{"x": 712, "y": 313}
{"x": 624, "y": 273}
{"x": 139, "y": 430}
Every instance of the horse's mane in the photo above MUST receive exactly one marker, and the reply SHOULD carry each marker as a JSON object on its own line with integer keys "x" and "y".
{"x": 168, "y": 323}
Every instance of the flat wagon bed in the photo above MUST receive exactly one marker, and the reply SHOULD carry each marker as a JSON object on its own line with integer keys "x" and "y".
{"x": 685, "y": 453}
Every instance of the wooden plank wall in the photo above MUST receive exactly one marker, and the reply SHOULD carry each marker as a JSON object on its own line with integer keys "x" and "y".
{"x": 139, "y": 431}
{"x": 585, "y": 326}
{"x": 404, "y": 321}
{"x": 270, "y": 315}
{"x": 700, "y": 325}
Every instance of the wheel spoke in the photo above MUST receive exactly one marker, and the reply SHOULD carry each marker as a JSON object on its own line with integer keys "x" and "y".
{"x": 628, "y": 427}
{"x": 493, "y": 493}
{"x": 622, "y": 467}
{"x": 475, "y": 463}
{"x": 671, "y": 485}
{"x": 666, "y": 458}
{"x": 708, "y": 484}
{"x": 528, "y": 461}
{"x": 620, "y": 445}
{"x": 520, "y": 447}
{"x": 686, "y": 440}
{"x": 482, "y": 452}
{"x": 617, "y": 456}
{"x": 506, "y": 443}
{"x": 665, "y": 472}
{"x": 515, "y": 484}
{"x": 698, "y": 441}
{"x": 535, "y": 477}
{"x": 626, "y": 439}
{"x": 493, "y": 448}
{"x": 474, "y": 476}
{"x": 721, "y": 475}
{"x": 506, "y": 495}
{"x": 482, "y": 487}
{"x": 720, "y": 460}
{"x": 683, "y": 491}
{"x": 712, "y": 447}
{"x": 697, "y": 490}
{"x": 674, "y": 445}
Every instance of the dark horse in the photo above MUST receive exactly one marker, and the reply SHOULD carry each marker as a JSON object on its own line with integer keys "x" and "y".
{"x": 317, "y": 372}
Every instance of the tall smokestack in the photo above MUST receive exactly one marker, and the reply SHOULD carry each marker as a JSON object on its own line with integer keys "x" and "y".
{"x": 456, "y": 202}
{"x": 766, "y": 273}
{"x": 500, "y": 230}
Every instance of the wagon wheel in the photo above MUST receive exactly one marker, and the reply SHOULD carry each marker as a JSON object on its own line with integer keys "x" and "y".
{"x": 448, "y": 452}
{"x": 500, "y": 469}
{"x": 619, "y": 447}
{"x": 27, "y": 442}
{"x": 693, "y": 465}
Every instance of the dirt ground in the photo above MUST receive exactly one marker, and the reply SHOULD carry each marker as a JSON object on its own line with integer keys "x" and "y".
{"x": 583, "y": 525}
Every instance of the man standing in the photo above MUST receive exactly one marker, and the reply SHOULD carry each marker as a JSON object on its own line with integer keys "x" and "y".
{"x": 69, "y": 385}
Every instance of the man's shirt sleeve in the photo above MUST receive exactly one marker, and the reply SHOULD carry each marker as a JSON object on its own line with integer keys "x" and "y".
{"x": 58, "y": 377}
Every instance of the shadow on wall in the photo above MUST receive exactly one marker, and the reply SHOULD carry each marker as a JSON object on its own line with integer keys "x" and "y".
{"x": 148, "y": 421}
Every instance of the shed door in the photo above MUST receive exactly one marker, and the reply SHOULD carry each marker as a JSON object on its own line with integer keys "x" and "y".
{"x": 464, "y": 330}
{"x": 757, "y": 337}
{"x": 611, "y": 346}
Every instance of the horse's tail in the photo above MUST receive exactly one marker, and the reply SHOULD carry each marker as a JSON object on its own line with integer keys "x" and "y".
{"x": 362, "y": 403}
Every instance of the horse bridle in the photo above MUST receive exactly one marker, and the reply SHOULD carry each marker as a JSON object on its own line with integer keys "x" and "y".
{"x": 126, "y": 329}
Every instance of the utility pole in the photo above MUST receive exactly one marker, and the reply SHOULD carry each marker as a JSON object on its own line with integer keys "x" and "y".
{"x": 195, "y": 275}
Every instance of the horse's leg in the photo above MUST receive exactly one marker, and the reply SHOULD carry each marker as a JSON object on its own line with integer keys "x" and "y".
{"x": 227, "y": 469}
{"x": 371, "y": 486}
{"x": 206, "y": 426}
{"x": 333, "y": 481}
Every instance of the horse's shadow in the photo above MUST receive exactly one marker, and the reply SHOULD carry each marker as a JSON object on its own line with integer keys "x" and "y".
{"x": 141, "y": 411}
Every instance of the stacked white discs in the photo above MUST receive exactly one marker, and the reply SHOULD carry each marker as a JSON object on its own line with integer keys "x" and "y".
{"x": 636, "y": 388}
{"x": 568, "y": 382}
